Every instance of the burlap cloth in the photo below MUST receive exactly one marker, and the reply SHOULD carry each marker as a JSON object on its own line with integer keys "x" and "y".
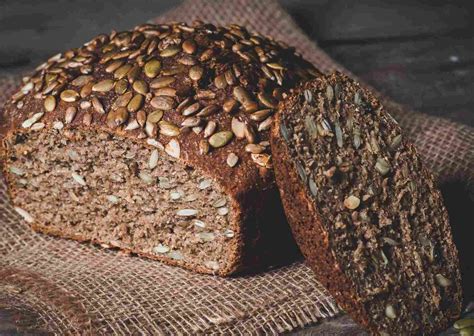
{"x": 75, "y": 288}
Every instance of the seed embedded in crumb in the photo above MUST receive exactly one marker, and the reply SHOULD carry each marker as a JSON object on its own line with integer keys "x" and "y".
{"x": 153, "y": 162}
{"x": 223, "y": 211}
{"x": 442, "y": 280}
{"x": 204, "y": 184}
{"x": 352, "y": 202}
{"x": 187, "y": 212}
{"x": 232, "y": 160}
{"x": 79, "y": 179}
{"x": 390, "y": 312}
{"x": 25, "y": 215}
{"x": 113, "y": 199}
{"x": 160, "y": 249}
{"x": 29, "y": 122}
{"x": 199, "y": 223}
{"x": 229, "y": 233}
{"x": 173, "y": 148}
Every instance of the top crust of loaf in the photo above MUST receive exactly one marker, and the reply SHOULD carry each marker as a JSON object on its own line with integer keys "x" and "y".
{"x": 200, "y": 93}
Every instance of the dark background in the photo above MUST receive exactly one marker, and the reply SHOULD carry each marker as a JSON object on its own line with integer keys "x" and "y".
{"x": 419, "y": 52}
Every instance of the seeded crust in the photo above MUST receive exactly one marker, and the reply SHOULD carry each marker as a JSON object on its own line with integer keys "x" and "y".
{"x": 366, "y": 215}
{"x": 203, "y": 95}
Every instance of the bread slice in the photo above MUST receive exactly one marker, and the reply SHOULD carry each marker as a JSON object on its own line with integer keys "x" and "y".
{"x": 155, "y": 141}
{"x": 365, "y": 213}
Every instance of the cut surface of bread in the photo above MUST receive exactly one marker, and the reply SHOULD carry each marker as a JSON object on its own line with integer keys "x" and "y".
{"x": 365, "y": 213}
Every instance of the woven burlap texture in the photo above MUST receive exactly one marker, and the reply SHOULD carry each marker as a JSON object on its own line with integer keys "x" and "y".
{"x": 81, "y": 289}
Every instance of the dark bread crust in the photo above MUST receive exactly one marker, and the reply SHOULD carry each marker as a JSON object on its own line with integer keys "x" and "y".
{"x": 219, "y": 51}
{"x": 317, "y": 236}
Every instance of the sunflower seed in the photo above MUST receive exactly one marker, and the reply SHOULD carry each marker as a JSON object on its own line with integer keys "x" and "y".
{"x": 465, "y": 322}
{"x": 58, "y": 125}
{"x": 162, "y": 82}
{"x": 220, "y": 139}
{"x": 189, "y": 46}
{"x": 112, "y": 199}
{"x": 29, "y": 122}
{"x": 163, "y": 103}
{"x": 254, "y": 148}
{"x": 17, "y": 171}
{"x": 206, "y": 236}
{"x": 155, "y": 116}
{"x": 37, "y": 126}
{"x": 148, "y": 179}
{"x": 228, "y": 233}
{"x": 220, "y": 82}
{"x": 151, "y": 129}
{"x": 87, "y": 119}
{"x": 114, "y": 65}
{"x": 168, "y": 129}
{"x": 98, "y": 106}
{"x": 136, "y": 103}
{"x": 223, "y": 211}
{"x": 117, "y": 117}
{"x": 25, "y": 215}
{"x": 122, "y": 71}
{"x": 84, "y": 105}
{"x": 176, "y": 255}
{"x": 140, "y": 87}
{"x": 241, "y": 94}
{"x": 187, "y": 212}
{"x": 261, "y": 115}
{"x": 191, "y": 109}
{"x": 173, "y": 148}
{"x": 160, "y": 249}
{"x": 210, "y": 129}
{"x": 191, "y": 122}
{"x": 153, "y": 162}
{"x": 203, "y": 147}
{"x": 165, "y": 91}
{"x": 230, "y": 105}
{"x": 329, "y": 93}
{"x": 338, "y": 131}
{"x": 49, "y": 104}
{"x": 382, "y": 166}
{"x": 390, "y": 241}
{"x": 357, "y": 139}
{"x": 204, "y": 184}
{"x": 352, "y": 202}
{"x": 154, "y": 143}
{"x": 284, "y": 132}
{"x": 267, "y": 100}
{"x": 276, "y": 66}
{"x": 312, "y": 187}
{"x": 265, "y": 125}
{"x": 152, "y": 68}
{"x": 103, "y": 86}
{"x": 141, "y": 118}
{"x": 132, "y": 125}
{"x": 232, "y": 160}
{"x": 396, "y": 141}
{"x": 78, "y": 179}
{"x": 442, "y": 280}
{"x": 199, "y": 223}
{"x": 196, "y": 72}
{"x": 208, "y": 110}
{"x": 219, "y": 202}
{"x": 170, "y": 51}
{"x": 122, "y": 100}
{"x": 390, "y": 312}
{"x": 238, "y": 128}
{"x": 69, "y": 96}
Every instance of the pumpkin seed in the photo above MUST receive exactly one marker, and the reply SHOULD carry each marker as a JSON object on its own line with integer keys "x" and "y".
{"x": 69, "y": 96}
{"x": 220, "y": 139}
{"x": 117, "y": 117}
{"x": 170, "y": 51}
{"x": 140, "y": 87}
{"x": 136, "y": 103}
{"x": 152, "y": 68}
{"x": 103, "y": 86}
{"x": 122, "y": 71}
{"x": 50, "y": 104}
{"x": 162, "y": 82}
{"x": 121, "y": 86}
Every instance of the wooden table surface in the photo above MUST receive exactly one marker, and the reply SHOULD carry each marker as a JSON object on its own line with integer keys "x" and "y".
{"x": 419, "y": 52}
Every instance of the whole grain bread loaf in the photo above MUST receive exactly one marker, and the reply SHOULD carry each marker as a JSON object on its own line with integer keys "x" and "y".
{"x": 364, "y": 211}
{"x": 156, "y": 141}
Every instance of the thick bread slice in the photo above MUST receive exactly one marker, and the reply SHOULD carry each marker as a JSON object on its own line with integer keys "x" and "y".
{"x": 367, "y": 216}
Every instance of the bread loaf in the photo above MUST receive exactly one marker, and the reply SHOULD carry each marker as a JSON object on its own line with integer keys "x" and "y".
{"x": 155, "y": 141}
{"x": 365, "y": 213}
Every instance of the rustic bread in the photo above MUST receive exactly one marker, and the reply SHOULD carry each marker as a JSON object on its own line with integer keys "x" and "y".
{"x": 365, "y": 213}
{"x": 155, "y": 141}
